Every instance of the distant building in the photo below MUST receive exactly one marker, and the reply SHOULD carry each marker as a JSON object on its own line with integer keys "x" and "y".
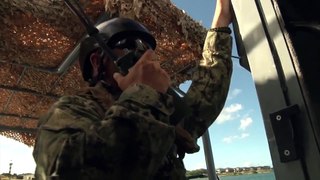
{"x": 253, "y": 168}
{"x": 27, "y": 176}
{"x": 246, "y": 169}
{"x": 7, "y": 176}
{"x": 2, "y": 177}
{"x": 238, "y": 169}
{"x": 266, "y": 167}
{"x": 230, "y": 170}
{"x": 220, "y": 170}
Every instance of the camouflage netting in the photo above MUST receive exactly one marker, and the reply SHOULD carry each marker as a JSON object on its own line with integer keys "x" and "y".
{"x": 37, "y": 36}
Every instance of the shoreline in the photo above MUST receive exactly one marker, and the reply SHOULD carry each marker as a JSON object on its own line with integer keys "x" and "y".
{"x": 244, "y": 173}
{"x": 203, "y": 173}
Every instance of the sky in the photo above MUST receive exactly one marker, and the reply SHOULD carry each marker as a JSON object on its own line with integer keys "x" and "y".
{"x": 237, "y": 136}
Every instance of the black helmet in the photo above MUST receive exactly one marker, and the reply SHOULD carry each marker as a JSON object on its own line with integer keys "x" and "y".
{"x": 112, "y": 31}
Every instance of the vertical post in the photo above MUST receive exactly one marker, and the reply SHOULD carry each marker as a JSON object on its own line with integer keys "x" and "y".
{"x": 10, "y": 166}
{"x": 208, "y": 155}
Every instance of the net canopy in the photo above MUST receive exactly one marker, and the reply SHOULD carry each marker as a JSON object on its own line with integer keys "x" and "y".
{"x": 38, "y": 61}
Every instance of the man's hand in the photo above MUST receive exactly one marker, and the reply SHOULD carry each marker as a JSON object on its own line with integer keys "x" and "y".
{"x": 184, "y": 141}
{"x": 147, "y": 72}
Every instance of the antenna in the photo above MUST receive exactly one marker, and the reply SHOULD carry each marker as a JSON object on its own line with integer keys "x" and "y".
{"x": 91, "y": 29}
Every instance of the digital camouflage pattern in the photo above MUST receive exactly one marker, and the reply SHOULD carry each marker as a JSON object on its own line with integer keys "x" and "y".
{"x": 96, "y": 135}
{"x": 210, "y": 84}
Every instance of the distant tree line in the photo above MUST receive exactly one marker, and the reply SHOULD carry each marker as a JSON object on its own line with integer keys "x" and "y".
{"x": 197, "y": 173}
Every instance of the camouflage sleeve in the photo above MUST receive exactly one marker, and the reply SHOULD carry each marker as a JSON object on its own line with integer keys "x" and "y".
{"x": 129, "y": 142}
{"x": 210, "y": 83}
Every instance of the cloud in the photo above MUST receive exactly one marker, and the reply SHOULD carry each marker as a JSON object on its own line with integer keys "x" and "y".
{"x": 230, "y": 139}
{"x": 17, "y": 153}
{"x": 200, "y": 165}
{"x": 233, "y": 108}
{"x": 247, "y": 164}
{"x": 244, "y": 123}
{"x": 234, "y": 93}
{"x": 229, "y": 113}
{"x": 244, "y": 135}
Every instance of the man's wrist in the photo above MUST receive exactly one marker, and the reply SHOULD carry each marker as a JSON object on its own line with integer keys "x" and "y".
{"x": 221, "y": 29}
{"x": 148, "y": 97}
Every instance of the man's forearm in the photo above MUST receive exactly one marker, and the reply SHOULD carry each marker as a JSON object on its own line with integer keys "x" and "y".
{"x": 222, "y": 14}
{"x": 210, "y": 83}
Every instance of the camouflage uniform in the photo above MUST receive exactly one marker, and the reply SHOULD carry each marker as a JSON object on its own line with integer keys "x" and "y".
{"x": 101, "y": 135}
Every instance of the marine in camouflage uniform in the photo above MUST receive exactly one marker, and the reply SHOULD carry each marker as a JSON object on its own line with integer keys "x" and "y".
{"x": 99, "y": 134}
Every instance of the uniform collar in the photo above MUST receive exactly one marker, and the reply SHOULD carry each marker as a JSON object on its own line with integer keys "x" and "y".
{"x": 103, "y": 93}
